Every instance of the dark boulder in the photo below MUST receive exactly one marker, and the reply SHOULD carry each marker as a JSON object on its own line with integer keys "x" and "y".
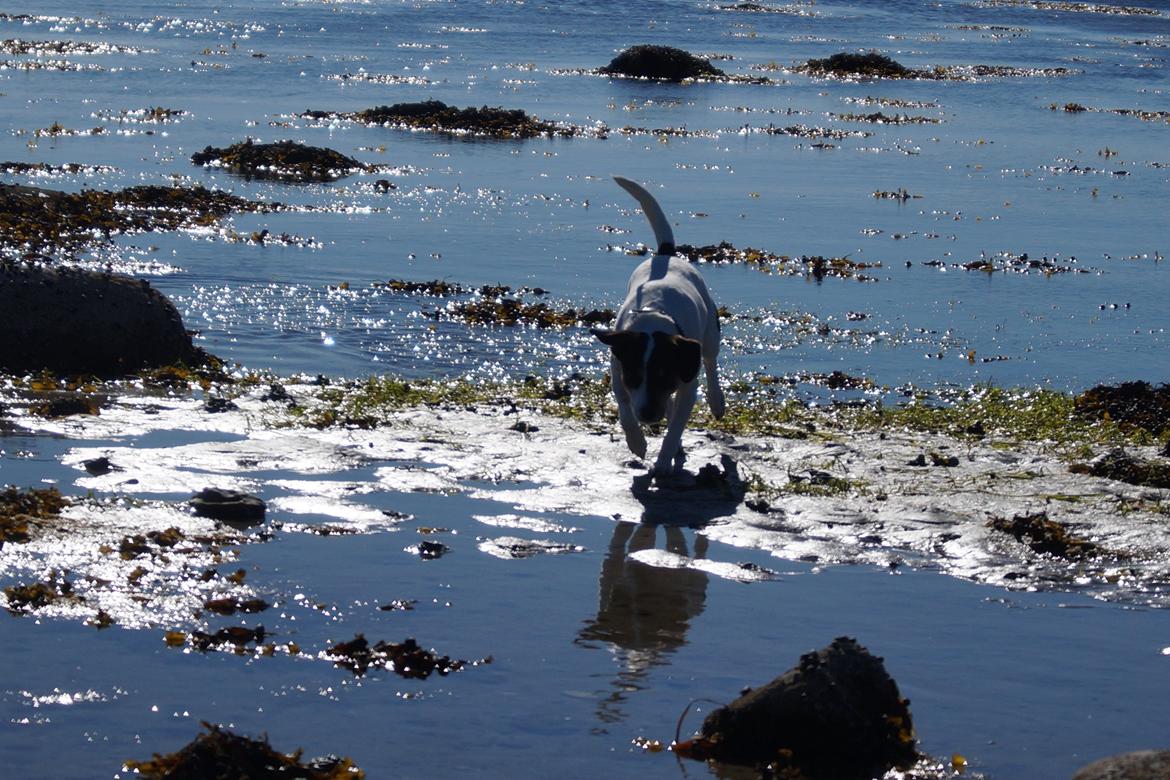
{"x": 838, "y": 714}
{"x": 284, "y": 160}
{"x": 72, "y": 321}
{"x": 230, "y": 506}
{"x": 1139, "y": 765}
{"x": 662, "y": 63}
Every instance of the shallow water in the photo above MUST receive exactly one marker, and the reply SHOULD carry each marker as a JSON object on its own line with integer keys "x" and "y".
{"x": 1023, "y": 684}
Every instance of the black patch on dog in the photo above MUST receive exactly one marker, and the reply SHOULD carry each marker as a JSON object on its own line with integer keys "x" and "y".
{"x": 628, "y": 348}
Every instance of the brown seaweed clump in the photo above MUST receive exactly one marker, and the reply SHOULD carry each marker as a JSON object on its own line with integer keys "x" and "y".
{"x": 660, "y": 63}
{"x": 854, "y": 65}
{"x": 437, "y": 288}
{"x": 405, "y": 658}
{"x": 286, "y": 161}
{"x": 1129, "y": 404}
{"x": 219, "y": 754}
{"x": 40, "y": 221}
{"x": 837, "y": 714}
{"x": 20, "y": 509}
{"x": 1045, "y": 536}
{"x": 1121, "y": 466}
{"x": 513, "y": 311}
{"x": 437, "y": 116}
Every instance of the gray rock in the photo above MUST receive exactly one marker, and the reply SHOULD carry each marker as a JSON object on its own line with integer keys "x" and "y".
{"x": 72, "y": 321}
{"x": 1139, "y": 765}
{"x": 230, "y": 506}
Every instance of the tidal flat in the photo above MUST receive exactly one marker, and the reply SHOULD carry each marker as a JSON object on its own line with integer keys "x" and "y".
{"x": 936, "y": 233}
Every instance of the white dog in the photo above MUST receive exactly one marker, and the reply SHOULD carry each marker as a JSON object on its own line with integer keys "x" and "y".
{"x": 667, "y": 328}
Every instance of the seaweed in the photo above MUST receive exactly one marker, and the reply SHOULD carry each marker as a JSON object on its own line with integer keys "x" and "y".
{"x": 1046, "y": 536}
{"x": 436, "y": 288}
{"x": 286, "y": 161}
{"x": 513, "y": 311}
{"x": 437, "y": 116}
{"x": 405, "y": 658}
{"x": 660, "y": 63}
{"x": 21, "y": 511}
{"x": 850, "y": 64}
{"x": 218, "y": 754}
{"x": 1129, "y": 404}
{"x": 35, "y": 221}
{"x": 1119, "y": 465}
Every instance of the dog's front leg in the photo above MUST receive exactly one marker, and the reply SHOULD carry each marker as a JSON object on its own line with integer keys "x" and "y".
{"x": 635, "y": 439}
{"x": 680, "y": 412}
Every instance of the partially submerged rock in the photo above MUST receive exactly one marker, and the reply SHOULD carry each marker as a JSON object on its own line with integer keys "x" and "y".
{"x": 218, "y": 754}
{"x": 229, "y": 506}
{"x": 437, "y": 116}
{"x": 838, "y": 714}
{"x": 660, "y": 63}
{"x": 1138, "y": 765}
{"x": 854, "y": 65}
{"x": 73, "y": 321}
{"x": 284, "y": 160}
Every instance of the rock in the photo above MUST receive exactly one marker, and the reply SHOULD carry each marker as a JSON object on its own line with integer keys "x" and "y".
{"x": 663, "y": 63}
{"x": 836, "y": 715}
{"x": 869, "y": 65}
{"x": 72, "y": 321}
{"x": 284, "y": 161}
{"x": 230, "y": 506}
{"x": 1139, "y": 765}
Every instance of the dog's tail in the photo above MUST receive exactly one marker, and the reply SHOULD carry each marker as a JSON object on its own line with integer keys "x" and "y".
{"x": 662, "y": 232}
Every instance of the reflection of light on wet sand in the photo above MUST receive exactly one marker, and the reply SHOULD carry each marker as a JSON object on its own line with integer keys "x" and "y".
{"x": 890, "y": 513}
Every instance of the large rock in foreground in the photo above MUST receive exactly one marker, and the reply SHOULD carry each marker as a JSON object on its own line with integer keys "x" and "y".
{"x": 838, "y": 714}
{"x": 72, "y": 321}
{"x": 1139, "y": 765}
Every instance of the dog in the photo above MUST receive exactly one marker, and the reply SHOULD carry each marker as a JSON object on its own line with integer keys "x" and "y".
{"x": 667, "y": 329}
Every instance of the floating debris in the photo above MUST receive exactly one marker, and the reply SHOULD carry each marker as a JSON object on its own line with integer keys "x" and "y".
{"x": 218, "y": 753}
{"x": 284, "y": 160}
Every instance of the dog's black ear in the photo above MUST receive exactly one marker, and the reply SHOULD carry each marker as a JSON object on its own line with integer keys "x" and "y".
{"x": 690, "y": 357}
{"x": 606, "y": 336}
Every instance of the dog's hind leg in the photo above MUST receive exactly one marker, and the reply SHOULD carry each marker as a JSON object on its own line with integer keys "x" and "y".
{"x": 711, "y": 367}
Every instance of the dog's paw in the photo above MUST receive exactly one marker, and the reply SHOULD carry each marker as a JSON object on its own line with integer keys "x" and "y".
{"x": 715, "y": 401}
{"x": 636, "y": 441}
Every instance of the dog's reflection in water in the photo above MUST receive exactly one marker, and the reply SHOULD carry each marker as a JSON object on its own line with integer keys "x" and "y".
{"x": 644, "y": 611}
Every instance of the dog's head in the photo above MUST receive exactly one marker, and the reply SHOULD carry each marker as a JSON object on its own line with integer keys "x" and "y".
{"x": 654, "y": 364}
